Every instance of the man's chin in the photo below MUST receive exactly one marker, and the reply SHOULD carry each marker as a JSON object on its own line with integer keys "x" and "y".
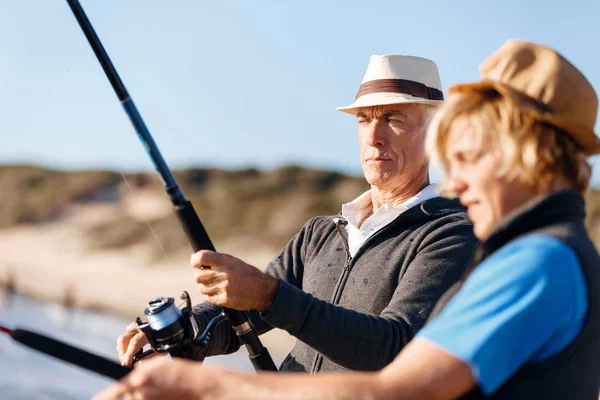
{"x": 379, "y": 181}
{"x": 380, "y": 172}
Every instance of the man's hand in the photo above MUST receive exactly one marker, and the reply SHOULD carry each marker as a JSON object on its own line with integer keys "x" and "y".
{"x": 129, "y": 343}
{"x": 232, "y": 283}
{"x": 167, "y": 379}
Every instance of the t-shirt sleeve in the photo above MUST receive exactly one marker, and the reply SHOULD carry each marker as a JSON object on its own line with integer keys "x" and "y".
{"x": 511, "y": 308}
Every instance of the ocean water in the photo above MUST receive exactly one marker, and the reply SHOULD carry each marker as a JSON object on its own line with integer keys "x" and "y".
{"x": 28, "y": 374}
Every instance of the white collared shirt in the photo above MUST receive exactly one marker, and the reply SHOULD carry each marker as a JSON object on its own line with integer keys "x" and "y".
{"x": 358, "y": 208}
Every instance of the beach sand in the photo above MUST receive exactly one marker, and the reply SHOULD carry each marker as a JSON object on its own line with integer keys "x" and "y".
{"x": 52, "y": 261}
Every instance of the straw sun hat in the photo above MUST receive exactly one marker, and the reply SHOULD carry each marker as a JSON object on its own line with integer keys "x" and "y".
{"x": 396, "y": 79}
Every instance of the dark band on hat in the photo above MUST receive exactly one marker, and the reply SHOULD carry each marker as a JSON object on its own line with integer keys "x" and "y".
{"x": 404, "y": 86}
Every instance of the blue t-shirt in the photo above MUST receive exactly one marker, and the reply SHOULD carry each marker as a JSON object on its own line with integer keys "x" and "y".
{"x": 523, "y": 304}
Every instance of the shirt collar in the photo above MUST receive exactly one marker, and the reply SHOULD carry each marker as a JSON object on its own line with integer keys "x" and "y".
{"x": 356, "y": 210}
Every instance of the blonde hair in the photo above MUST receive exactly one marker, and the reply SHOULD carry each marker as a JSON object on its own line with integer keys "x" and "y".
{"x": 532, "y": 152}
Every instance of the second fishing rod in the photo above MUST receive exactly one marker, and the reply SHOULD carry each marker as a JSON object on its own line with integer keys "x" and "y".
{"x": 163, "y": 315}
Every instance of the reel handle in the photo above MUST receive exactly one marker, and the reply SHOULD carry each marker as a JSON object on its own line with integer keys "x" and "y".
{"x": 143, "y": 354}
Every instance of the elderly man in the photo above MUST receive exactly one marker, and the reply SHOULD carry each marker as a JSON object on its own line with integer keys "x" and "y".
{"x": 354, "y": 288}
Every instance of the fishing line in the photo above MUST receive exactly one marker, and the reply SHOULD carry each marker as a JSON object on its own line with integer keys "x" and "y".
{"x": 96, "y": 121}
{"x": 147, "y": 220}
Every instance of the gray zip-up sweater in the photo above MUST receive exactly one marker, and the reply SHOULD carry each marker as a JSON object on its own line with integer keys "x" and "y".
{"x": 358, "y": 312}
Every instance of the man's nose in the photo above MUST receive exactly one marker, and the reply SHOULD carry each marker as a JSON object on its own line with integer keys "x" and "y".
{"x": 376, "y": 134}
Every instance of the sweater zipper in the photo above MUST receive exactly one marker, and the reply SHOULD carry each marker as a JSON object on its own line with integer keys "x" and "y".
{"x": 339, "y": 223}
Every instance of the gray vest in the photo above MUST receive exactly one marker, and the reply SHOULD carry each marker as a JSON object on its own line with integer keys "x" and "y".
{"x": 573, "y": 373}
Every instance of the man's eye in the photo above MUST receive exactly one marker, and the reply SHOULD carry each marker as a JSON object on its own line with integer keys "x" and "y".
{"x": 396, "y": 120}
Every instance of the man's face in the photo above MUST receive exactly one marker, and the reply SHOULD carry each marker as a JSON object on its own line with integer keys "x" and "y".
{"x": 392, "y": 144}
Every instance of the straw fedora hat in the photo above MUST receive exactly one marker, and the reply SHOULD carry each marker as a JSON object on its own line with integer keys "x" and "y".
{"x": 396, "y": 79}
{"x": 544, "y": 84}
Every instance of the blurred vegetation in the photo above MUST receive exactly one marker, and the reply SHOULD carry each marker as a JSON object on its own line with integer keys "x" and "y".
{"x": 265, "y": 208}
{"x": 31, "y": 194}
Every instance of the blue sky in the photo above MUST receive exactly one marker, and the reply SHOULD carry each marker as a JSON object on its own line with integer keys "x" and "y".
{"x": 241, "y": 83}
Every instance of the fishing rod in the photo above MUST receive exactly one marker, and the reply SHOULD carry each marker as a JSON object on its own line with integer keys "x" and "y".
{"x": 190, "y": 222}
{"x": 66, "y": 352}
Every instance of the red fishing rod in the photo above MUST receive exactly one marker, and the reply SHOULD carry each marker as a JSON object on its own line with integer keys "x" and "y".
{"x": 66, "y": 352}
{"x": 161, "y": 312}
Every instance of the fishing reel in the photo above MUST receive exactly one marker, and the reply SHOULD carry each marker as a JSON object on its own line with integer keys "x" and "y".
{"x": 174, "y": 330}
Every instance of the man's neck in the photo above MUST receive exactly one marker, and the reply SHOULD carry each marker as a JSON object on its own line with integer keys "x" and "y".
{"x": 398, "y": 195}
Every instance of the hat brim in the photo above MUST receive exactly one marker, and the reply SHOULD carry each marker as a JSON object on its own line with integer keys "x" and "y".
{"x": 582, "y": 134}
{"x": 385, "y": 99}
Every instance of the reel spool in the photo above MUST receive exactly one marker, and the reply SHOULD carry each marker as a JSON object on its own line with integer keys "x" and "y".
{"x": 174, "y": 330}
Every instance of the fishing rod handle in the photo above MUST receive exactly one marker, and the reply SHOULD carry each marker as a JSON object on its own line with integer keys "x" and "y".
{"x": 263, "y": 361}
{"x": 199, "y": 239}
{"x": 193, "y": 228}
{"x": 258, "y": 354}
{"x": 70, "y": 354}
